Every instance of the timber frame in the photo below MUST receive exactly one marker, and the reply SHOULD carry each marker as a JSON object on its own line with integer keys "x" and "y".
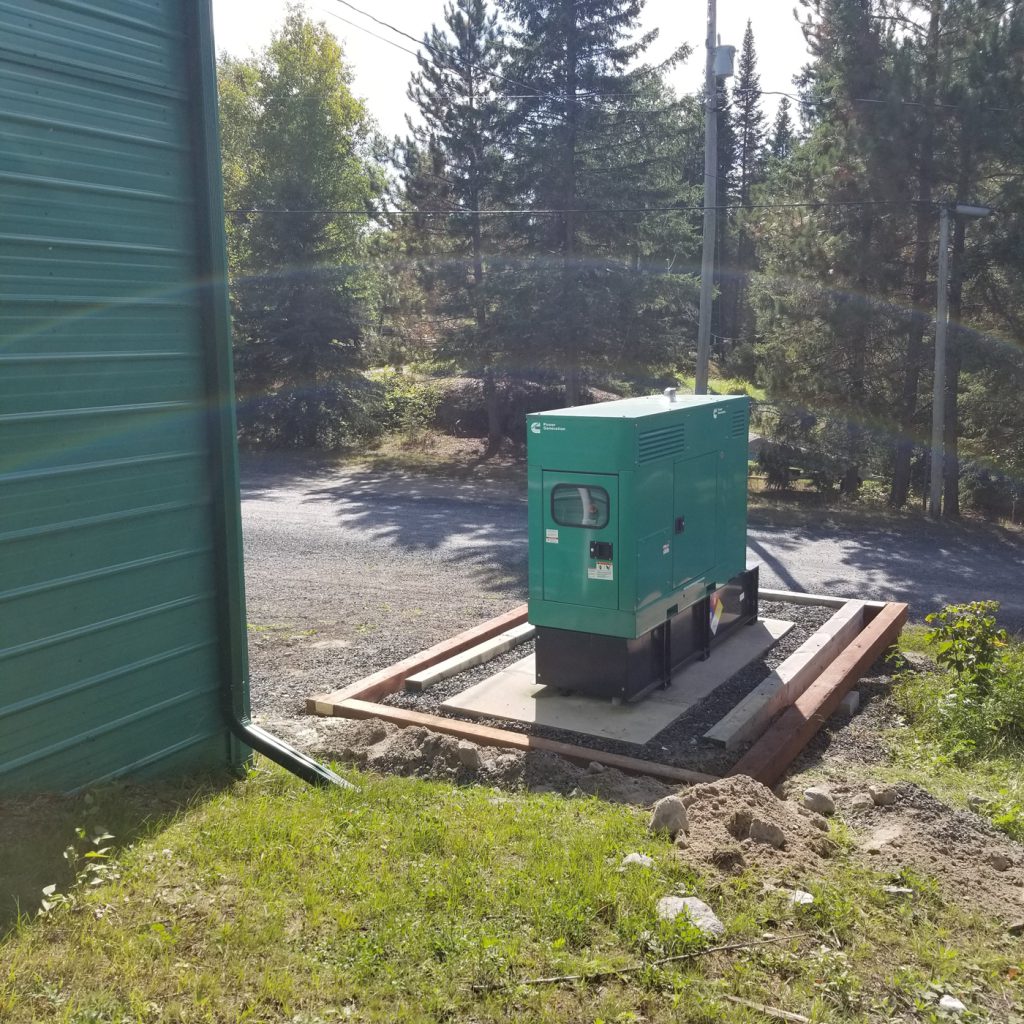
{"x": 775, "y": 746}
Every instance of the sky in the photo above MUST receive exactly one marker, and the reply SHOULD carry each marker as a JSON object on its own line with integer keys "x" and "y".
{"x": 382, "y": 71}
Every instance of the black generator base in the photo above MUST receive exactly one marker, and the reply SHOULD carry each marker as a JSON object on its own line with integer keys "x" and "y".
{"x": 623, "y": 669}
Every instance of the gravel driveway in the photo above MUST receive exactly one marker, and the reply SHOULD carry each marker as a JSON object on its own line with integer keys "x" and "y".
{"x": 348, "y": 571}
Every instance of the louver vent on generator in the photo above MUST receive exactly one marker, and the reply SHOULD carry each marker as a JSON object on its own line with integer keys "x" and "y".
{"x": 739, "y": 423}
{"x": 655, "y": 444}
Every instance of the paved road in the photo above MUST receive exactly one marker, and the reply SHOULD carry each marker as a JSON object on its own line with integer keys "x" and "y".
{"x": 311, "y": 532}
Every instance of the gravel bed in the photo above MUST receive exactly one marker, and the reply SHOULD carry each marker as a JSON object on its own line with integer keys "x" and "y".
{"x": 682, "y": 742}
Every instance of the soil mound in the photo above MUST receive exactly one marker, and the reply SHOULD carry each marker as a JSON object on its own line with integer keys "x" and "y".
{"x": 388, "y": 749}
{"x": 737, "y": 823}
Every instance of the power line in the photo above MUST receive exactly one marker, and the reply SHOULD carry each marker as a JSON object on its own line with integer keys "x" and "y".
{"x": 811, "y": 205}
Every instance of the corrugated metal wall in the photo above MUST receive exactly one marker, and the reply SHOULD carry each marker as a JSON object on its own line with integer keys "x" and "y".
{"x": 121, "y": 607}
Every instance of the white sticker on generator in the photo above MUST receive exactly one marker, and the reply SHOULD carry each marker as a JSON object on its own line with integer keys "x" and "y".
{"x": 665, "y": 548}
{"x": 551, "y": 536}
{"x": 601, "y": 571}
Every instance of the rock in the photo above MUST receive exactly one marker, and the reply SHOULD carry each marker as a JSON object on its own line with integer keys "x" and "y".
{"x": 1017, "y": 928}
{"x": 669, "y": 815}
{"x": 849, "y": 705}
{"x": 951, "y": 1005}
{"x": 641, "y": 860}
{"x": 469, "y": 755}
{"x": 728, "y": 858}
{"x": 595, "y": 768}
{"x": 898, "y": 890}
{"x": 699, "y": 913}
{"x": 862, "y": 802}
{"x": 999, "y": 861}
{"x": 975, "y": 802}
{"x": 819, "y": 799}
{"x": 799, "y": 897}
{"x": 762, "y": 831}
{"x": 882, "y": 796}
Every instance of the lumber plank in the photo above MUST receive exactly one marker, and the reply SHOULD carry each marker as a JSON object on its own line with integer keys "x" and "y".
{"x": 748, "y": 719}
{"x": 768, "y": 759}
{"x": 392, "y": 678}
{"x": 487, "y": 736}
{"x": 798, "y": 597}
{"x": 480, "y": 654}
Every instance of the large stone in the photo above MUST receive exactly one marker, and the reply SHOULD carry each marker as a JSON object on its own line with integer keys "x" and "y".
{"x": 952, "y": 1005}
{"x": 469, "y": 755}
{"x": 819, "y": 799}
{"x": 849, "y": 705}
{"x": 862, "y": 802}
{"x": 1000, "y": 861}
{"x": 699, "y": 913}
{"x": 762, "y": 831}
{"x": 641, "y": 860}
{"x": 882, "y": 796}
{"x": 669, "y": 815}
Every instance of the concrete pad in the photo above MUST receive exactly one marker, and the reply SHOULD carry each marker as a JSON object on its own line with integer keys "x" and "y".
{"x": 514, "y": 694}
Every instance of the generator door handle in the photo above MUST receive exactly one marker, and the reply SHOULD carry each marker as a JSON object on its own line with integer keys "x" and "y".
{"x": 680, "y": 524}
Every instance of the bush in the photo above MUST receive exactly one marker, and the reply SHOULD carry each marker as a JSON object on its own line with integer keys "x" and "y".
{"x": 992, "y": 494}
{"x": 405, "y": 403}
{"x": 339, "y": 414}
{"x": 981, "y": 708}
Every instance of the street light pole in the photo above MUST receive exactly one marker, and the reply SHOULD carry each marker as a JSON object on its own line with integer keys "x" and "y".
{"x": 707, "y": 262}
{"x": 946, "y": 211}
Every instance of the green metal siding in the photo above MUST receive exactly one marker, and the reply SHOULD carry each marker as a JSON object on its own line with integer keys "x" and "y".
{"x": 121, "y": 602}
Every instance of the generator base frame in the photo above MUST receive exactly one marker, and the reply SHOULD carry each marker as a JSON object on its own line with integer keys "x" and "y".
{"x": 626, "y": 669}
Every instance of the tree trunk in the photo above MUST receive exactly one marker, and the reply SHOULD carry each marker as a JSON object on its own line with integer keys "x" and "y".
{"x": 907, "y": 407}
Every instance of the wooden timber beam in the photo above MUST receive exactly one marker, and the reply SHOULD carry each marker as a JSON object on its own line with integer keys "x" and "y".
{"x": 392, "y": 678}
{"x": 768, "y": 759}
{"x": 486, "y": 736}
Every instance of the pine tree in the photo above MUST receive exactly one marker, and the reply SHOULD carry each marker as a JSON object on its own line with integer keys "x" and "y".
{"x": 782, "y": 137}
{"x": 452, "y": 162}
{"x": 588, "y": 289}
{"x": 749, "y": 121}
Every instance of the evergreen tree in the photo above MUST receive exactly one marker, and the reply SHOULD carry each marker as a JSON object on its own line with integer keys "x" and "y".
{"x": 587, "y": 290}
{"x": 749, "y": 121}
{"x": 781, "y": 139}
{"x": 452, "y": 161}
{"x": 300, "y": 152}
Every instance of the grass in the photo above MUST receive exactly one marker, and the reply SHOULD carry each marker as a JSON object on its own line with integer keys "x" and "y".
{"x": 414, "y": 901}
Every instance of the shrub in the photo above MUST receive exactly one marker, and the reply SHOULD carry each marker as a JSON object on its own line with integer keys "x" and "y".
{"x": 981, "y": 707}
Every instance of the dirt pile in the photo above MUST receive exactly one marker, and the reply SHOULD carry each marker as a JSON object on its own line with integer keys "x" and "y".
{"x": 974, "y": 863}
{"x": 388, "y": 749}
{"x": 737, "y": 823}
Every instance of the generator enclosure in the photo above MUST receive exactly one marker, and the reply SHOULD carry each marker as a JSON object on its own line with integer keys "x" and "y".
{"x": 637, "y": 512}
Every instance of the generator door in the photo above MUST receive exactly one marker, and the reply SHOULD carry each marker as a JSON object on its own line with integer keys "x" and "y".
{"x": 581, "y": 550}
{"x": 694, "y": 526}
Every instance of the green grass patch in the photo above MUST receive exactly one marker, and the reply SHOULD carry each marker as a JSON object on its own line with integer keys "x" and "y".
{"x": 414, "y": 901}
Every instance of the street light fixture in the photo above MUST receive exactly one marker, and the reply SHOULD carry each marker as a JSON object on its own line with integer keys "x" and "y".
{"x": 941, "y": 329}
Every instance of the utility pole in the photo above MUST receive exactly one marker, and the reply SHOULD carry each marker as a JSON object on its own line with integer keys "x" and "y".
{"x": 946, "y": 211}
{"x": 707, "y": 261}
{"x": 939, "y": 387}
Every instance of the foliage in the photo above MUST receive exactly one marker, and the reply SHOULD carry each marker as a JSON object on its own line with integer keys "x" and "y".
{"x": 972, "y": 708}
{"x": 297, "y": 148}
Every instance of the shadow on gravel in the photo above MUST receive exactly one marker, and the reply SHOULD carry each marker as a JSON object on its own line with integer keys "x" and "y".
{"x": 441, "y": 519}
{"x": 926, "y": 564}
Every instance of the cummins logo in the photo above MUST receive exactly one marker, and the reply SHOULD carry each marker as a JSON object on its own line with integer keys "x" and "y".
{"x": 719, "y": 411}
{"x": 535, "y": 427}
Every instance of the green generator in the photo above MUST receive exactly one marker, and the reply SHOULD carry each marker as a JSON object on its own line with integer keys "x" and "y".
{"x": 637, "y": 538}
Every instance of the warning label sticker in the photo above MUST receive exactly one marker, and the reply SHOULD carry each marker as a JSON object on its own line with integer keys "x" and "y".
{"x": 551, "y": 536}
{"x": 665, "y": 549}
{"x": 601, "y": 571}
